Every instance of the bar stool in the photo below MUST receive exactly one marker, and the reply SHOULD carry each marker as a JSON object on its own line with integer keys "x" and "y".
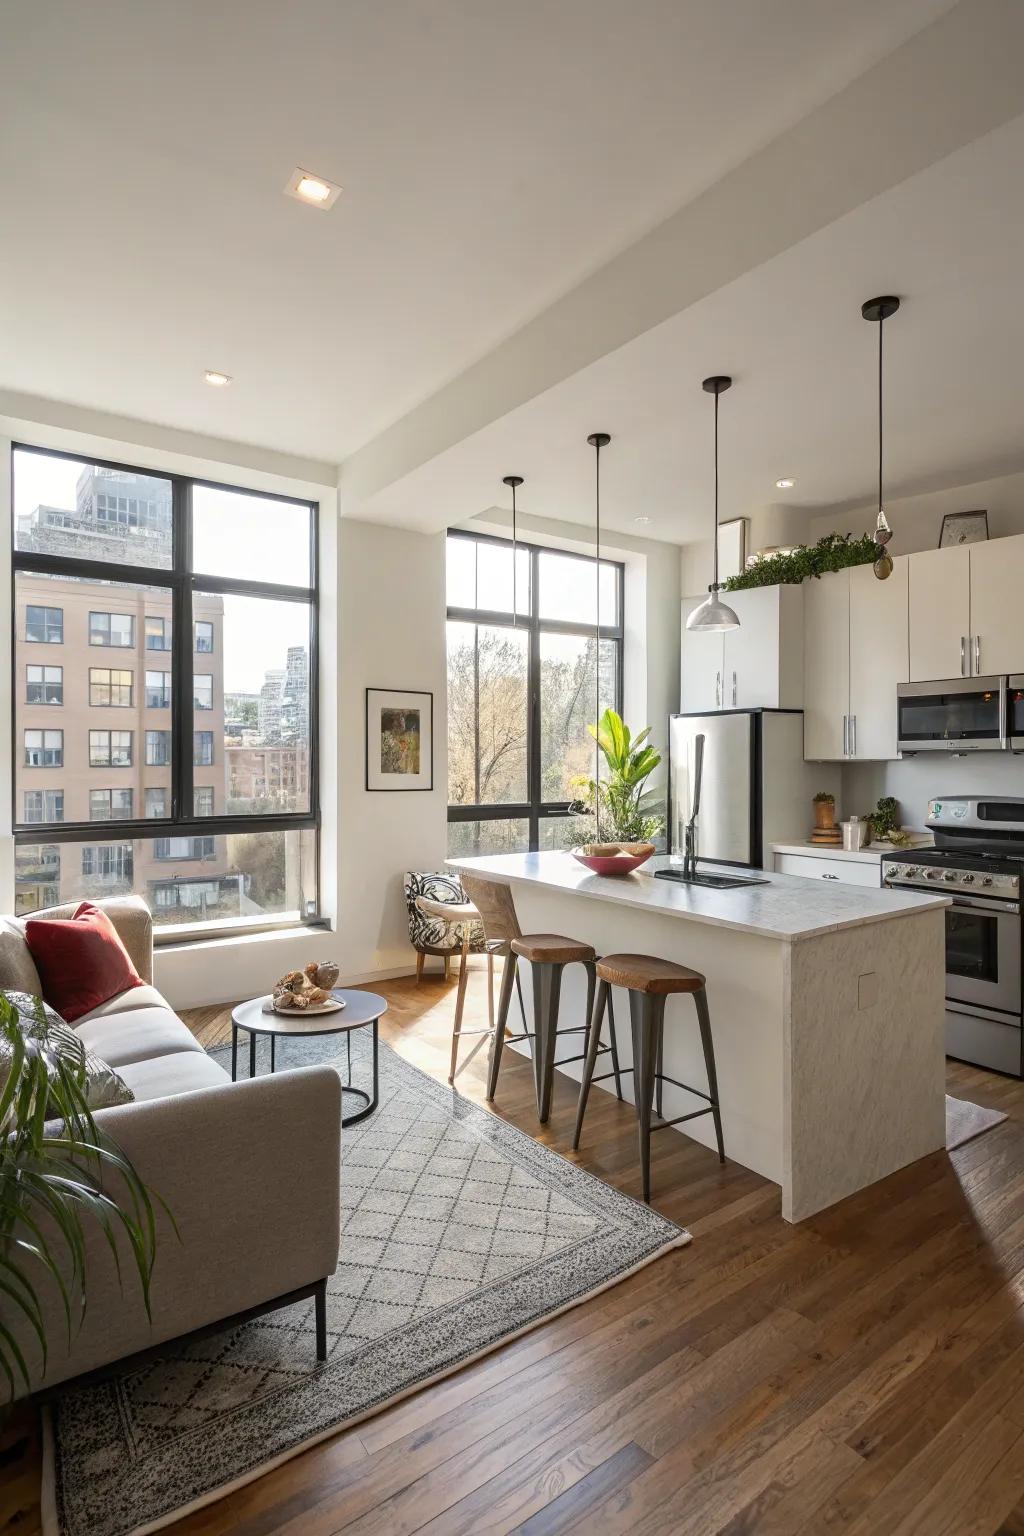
{"x": 460, "y": 915}
{"x": 548, "y": 955}
{"x": 649, "y": 982}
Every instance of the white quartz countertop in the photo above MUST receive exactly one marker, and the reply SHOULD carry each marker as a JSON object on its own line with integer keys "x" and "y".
{"x": 870, "y": 855}
{"x": 786, "y": 907}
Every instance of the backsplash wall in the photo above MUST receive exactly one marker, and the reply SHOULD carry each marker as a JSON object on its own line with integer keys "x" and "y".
{"x": 916, "y": 780}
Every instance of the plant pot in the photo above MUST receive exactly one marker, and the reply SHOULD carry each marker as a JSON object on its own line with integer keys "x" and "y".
{"x": 824, "y": 813}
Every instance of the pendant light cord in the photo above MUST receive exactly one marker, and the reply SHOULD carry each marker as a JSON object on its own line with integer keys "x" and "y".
{"x": 515, "y": 563}
{"x": 881, "y": 328}
{"x": 715, "y": 583}
{"x": 597, "y": 640}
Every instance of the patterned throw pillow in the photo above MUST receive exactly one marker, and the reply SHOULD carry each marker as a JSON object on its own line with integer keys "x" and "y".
{"x": 430, "y": 932}
{"x": 103, "y": 1086}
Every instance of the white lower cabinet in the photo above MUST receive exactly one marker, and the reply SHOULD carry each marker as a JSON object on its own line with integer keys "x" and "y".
{"x": 847, "y": 871}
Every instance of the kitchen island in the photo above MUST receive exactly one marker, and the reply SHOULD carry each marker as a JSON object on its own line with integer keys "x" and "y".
{"x": 827, "y": 1008}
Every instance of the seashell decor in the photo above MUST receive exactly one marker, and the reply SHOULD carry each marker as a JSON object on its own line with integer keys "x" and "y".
{"x": 301, "y": 989}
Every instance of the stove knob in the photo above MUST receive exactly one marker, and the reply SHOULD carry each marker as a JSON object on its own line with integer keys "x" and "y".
{"x": 986, "y": 879}
{"x": 931, "y": 874}
{"x": 966, "y": 879}
{"x": 911, "y": 871}
{"x": 949, "y": 874}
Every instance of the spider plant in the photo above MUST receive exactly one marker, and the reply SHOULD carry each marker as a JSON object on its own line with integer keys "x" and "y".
{"x": 623, "y": 810}
{"x": 55, "y": 1163}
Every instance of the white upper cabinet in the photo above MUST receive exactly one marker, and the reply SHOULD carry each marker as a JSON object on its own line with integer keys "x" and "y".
{"x": 940, "y": 614}
{"x": 759, "y": 665}
{"x": 827, "y": 666}
{"x": 701, "y": 666}
{"x": 997, "y": 606}
{"x": 879, "y": 658}
{"x": 855, "y": 653}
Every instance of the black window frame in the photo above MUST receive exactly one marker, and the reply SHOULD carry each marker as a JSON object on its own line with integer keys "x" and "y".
{"x": 533, "y": 810}
{"x": 182, "y": 583}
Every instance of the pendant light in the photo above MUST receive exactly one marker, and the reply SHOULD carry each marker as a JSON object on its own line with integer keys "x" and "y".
{"x": 513, "y": 481}
{"x": 878, "y": 312}
{"x": 597, "y": 441}
{"x": 713, "y": 615}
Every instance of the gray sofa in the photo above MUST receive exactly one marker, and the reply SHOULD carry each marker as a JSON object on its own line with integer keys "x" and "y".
{"x": 250, "y": 1171}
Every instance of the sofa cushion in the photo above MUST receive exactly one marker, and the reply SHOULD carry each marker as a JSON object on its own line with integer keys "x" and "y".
{"x": 38, "y": 1021}
{"x": 184, "y": 1072}
{"x": 17, "y": 968}
{"x": 125, "y": 1002}
{"x": 141, "y": 1034}
{"x": 81, "y": 961}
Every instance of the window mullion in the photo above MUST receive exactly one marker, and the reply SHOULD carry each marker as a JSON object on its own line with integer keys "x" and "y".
{"x": 181, "y": 656}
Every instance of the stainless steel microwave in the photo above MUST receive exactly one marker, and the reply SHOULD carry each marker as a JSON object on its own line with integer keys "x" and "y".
{"x": 1015, "y": 713}
{"x": 961, "y": 714}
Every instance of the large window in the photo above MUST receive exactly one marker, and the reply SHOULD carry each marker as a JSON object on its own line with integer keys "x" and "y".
{"x": 197, "y": 601}
{"x": 522, "y": 690}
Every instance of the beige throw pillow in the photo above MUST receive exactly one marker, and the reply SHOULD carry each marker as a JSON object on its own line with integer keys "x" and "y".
{"x": 103, "y": 1086}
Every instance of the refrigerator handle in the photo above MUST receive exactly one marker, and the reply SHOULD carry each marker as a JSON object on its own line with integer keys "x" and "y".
{"x": 734, "y": 690}
{"x": 718, "y": 690}
{"x": 846, "y": 735}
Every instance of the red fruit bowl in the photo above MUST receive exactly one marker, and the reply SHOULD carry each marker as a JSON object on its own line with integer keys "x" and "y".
{"x": 623, "y": 861}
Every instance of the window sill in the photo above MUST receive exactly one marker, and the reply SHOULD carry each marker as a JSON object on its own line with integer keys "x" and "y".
{"x": 189, "y": 936}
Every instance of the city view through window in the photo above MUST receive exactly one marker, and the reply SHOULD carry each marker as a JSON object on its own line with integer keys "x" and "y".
{"x": 103, "y": 732}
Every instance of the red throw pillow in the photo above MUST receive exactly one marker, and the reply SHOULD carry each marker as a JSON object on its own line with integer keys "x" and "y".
{"x": 81, "y": 961}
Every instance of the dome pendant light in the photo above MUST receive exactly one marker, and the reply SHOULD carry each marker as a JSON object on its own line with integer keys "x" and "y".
{"x": 878, "y": 311}
{"x": 597, "y": 441}
{"x": 513, "y": 481}
{"x": 712, "y": 614}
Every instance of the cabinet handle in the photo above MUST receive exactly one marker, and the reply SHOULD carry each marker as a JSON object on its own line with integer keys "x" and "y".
{"x": 853, "y": 735}
{"x": 846, "y": 735}
{"x": 718, "y": 690}
{"x": 977, "y": 655}
{"x": 830, "y": 877}
{"x": 734, "y": 690}
{"x": 963, "y": 655}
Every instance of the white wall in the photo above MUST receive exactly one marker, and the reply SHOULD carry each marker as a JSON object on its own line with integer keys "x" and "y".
{"x": 392, "y": 636}
{"x": 916, "y": 520}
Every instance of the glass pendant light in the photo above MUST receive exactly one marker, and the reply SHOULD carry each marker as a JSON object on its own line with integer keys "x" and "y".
{"x": 597, "y": 441}
{"x": 878, "y": 311}
{"x": 513, "y": 481}
{"x": 712, "y": 614}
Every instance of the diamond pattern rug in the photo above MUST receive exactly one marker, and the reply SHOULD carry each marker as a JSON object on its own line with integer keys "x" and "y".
{"x": 458, "y": 1232}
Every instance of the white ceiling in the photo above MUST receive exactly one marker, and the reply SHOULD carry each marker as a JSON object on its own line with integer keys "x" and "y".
{"x": 492, "y": 155}
{"x": 949, "y": 241}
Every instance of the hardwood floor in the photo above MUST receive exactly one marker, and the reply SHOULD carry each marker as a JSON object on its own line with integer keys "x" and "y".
{"x": 861, "y": 1373}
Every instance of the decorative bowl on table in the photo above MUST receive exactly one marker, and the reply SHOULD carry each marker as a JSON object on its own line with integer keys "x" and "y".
{"x": 612, "y": 858}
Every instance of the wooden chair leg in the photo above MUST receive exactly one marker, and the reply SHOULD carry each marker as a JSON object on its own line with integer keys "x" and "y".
{"x": 490, "y": 989}
{"x": 420, "y": 959}
{"x": 460, "y": 1003}
{"x": 447, "y": 967}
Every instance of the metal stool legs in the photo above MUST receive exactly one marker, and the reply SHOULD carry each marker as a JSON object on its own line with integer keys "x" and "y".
{"x": 647, "y": 1022}
{"x": 509, "y": 978}
{"x": 704, "y": 1020}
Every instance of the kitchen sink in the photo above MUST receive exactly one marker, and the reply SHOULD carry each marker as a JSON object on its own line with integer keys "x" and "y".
{"x": 716, "y": 882}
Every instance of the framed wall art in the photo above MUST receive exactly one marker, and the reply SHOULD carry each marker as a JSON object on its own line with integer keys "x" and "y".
{"x": 399, "y": 739}
{"x": 963, "y": 528}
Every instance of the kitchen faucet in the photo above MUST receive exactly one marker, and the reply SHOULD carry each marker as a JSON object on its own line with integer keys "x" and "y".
{"x": 690, "y": 832}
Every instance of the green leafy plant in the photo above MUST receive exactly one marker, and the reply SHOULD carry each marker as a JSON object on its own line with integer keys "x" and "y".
{"x": 623, "y": 810}
{"x": 824, "y": 798}
{"x": 834, "y": 552}
{"x": 54, "y": 1160}
{"x": 885, "y": 820}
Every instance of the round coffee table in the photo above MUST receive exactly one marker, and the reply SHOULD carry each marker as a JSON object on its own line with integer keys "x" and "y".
{"x": 361, "y": 1008}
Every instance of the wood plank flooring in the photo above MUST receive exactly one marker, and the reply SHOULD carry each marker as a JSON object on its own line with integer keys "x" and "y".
{"x": 861, "y": 1373}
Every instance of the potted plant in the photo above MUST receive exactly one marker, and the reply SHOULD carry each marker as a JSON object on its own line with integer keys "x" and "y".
{"x": 824, "y": 809}
{"x": 58, "y": 1169}
{"x": 623, "y": 810}
{"x": 885, "y": 822}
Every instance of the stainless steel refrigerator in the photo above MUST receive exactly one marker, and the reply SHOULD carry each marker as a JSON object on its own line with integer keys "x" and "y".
{"x": 757, "y": 790}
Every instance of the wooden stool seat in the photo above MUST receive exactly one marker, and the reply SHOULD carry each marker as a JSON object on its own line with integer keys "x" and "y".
{"x": 645, "y": 973}
{"x": 553, "y": 949}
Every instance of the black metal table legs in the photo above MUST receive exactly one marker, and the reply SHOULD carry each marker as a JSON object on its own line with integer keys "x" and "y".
{"x": 369, "y": 1100}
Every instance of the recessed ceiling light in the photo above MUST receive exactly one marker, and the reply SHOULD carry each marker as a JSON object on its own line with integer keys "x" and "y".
{"x": 314, "y": 190}
{"x": 218, "y": 380}
{"x": 641, "y": 519}
{"x": 785, "y": 485}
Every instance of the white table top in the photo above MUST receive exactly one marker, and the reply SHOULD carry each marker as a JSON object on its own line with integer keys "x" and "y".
{"x": 787, "y": 907}
{"x": 870, "y": 855}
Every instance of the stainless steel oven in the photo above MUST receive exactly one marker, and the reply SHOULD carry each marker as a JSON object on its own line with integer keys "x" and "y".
{"x": 983, "y": 953}
{"x": 1015, "y": 713}
{"x": 959, "y": 715}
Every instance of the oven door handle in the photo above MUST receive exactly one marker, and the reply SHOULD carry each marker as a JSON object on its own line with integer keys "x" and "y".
{"x": 980, "y": 904}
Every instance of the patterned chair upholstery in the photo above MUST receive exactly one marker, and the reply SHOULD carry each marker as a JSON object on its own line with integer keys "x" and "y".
{"x": 431, "y": 936}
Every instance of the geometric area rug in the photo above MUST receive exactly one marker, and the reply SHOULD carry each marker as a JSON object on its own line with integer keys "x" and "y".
{"x": 459, "y": 1232}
